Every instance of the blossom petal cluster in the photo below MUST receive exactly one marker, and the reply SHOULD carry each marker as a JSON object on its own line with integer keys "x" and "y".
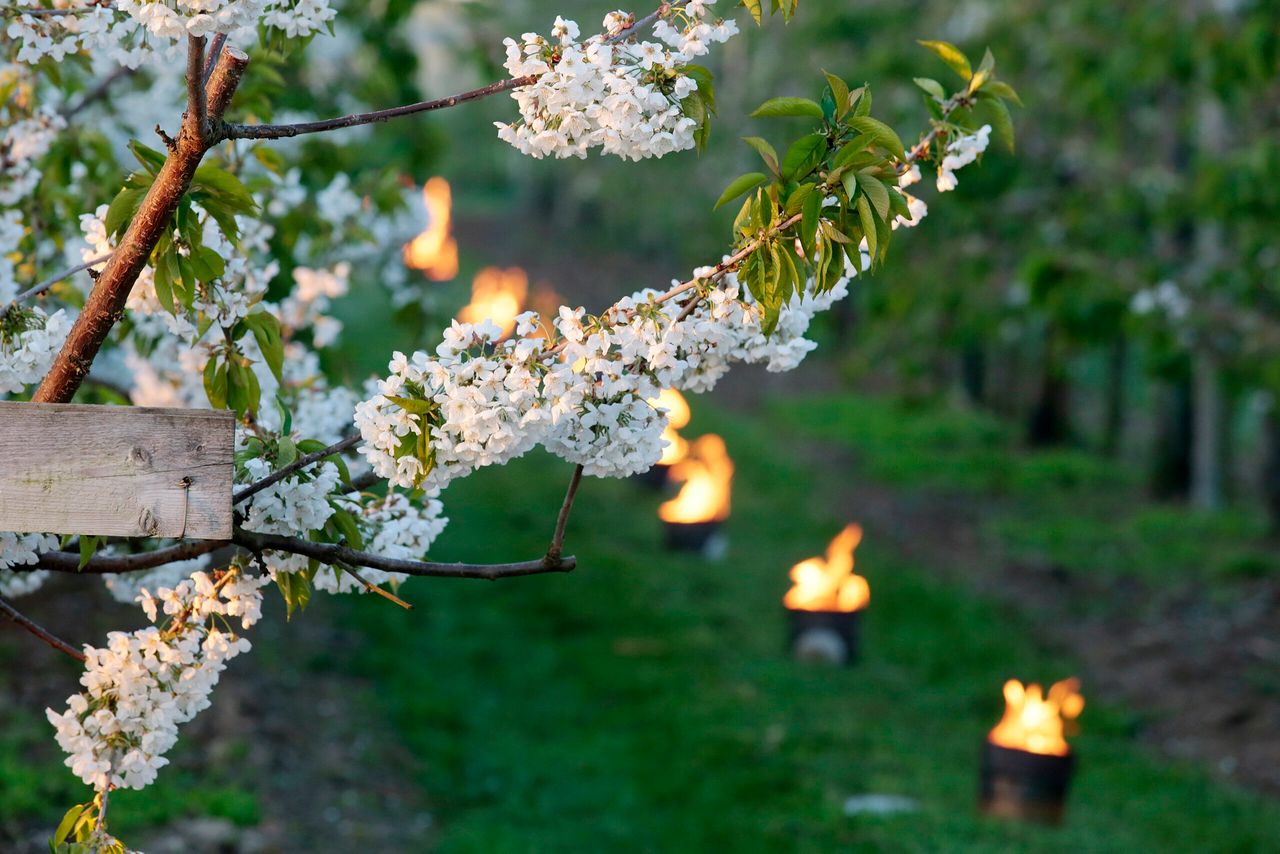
{"x": 143, "y": 685}
{"x": 29, "y": 342}
{"x": 960, "y": 152}
{"x": 610, "y": 91}
{"x": 396, "y": 528}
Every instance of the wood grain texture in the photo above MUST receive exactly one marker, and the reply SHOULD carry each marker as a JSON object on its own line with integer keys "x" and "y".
{"x": 120, "y": 471}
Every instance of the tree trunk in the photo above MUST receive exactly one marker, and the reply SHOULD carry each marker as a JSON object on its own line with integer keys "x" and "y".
{"x": 1271, "y": 467}
{"x": 1114, "y": 416}
{"x": 1171, "y": 469}
{"x": 1050, "y": 422}
{"x": 1206, "y": 432}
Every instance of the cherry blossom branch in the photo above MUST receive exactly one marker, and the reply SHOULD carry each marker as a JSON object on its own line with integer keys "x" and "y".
{"x": 105, "y": 305}
{"x": 44, "y": 634}
{"x": 196, "y": 105}
{"x": 300, "y": 463}
{"x": 36, "y": 290}
{"x": 215, "y": 50}
{"x": 284, "y": 131}
{"x": 98, "y": 92}
{"x": 335, "y": 554}
{"x": 557, "y": 539}
{"x": 234, "y": 131}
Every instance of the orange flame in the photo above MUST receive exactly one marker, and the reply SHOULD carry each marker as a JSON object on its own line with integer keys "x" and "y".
{"x": 434, "y": 251}
{"x": 707, "y": 475}
{"x": 496, "y": 295}
{"x": 1036, "y": 723}
{"x": 830, "y": 584}
{"x": 678, "y": 416}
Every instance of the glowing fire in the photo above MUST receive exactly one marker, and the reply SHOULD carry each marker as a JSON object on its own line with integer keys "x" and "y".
{"x": 434, "y": 251}
{"x": 830, "y": 584}
{"x": 496, "y": 295}
{"x": 678, "y": 416}
{"x": 1036, "y": 723}
{"x": 707, "y": 475}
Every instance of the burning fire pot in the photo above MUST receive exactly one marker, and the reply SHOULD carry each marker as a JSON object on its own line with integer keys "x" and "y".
{"x": 1026, "y": 762}
{"x": 694, "y": 518}
{"x": 825, "y": 603}
{"x": 676, "y": 448}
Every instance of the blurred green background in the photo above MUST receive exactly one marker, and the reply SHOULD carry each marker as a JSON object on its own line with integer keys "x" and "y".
{"x": 1061, "y": 468}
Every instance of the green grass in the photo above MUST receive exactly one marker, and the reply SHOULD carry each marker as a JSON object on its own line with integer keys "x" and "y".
{"x": 1072, "y": 508}
{"x": 644, "y": 702}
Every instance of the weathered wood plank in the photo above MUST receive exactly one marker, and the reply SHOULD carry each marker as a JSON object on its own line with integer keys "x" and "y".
{"x": 119, "y": 471}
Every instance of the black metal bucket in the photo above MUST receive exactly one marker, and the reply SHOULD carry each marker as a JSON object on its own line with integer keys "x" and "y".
{"x": 704, "y": 538}
{"x": 830, "y": 636}
{"x": 1022, "y": 785}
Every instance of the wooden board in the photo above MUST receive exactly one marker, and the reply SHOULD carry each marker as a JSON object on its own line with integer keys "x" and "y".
{"x": 120, "y": 471}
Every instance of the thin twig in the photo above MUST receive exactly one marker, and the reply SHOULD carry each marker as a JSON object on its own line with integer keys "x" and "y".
{"x": 44, "y": 634}
{"x": 370, "y": 587}
{"x": 300, "y": 463}
{"x": 233, "y": 131}
{"x": 332, "y": 554}
{"x": 557, "y": 539}
{"x": 36, "y": 290}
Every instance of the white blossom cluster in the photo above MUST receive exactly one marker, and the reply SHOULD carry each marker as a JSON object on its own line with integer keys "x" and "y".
{"x": 479, "y": 401}
{"x": 610, "y": 91}
{"x": 22, "y": 143}
{"x": 142, "y": 685}
{"x": 22, "y": 550}
{"x": 1165, "y": 298}
{"x": 298, "y": 503}
{"x": 917, "y": 207}
{"x": 396, "y": 528}
{"x": 960, "y": 152}
{"x": 29, "y": 342}
{"x": 585, "y": 398}
{"x": 134, "y": 32}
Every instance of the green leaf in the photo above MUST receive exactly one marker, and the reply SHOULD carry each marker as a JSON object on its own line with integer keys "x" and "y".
{"x": 998, "y": 112}
{"x": 412, "y": 405}
{"x": 88, "y": 546}
{"x": 800, "y": 107}
{"x": 346, "y": 525}
{"x": 951, "y": 55}
{"x": 766, "y": 151}
{"x": 796, "y": 200}
{"x": 868, "y": 223}
{"x": 884, "y": 135}
{"x": 67, "y": 824}
{"x": 266, "y": 331}
{"x": 295, "y": 587}
{"x": 839, "y": 92}
{"x": 804, "y": 155}
{"x": 740, "y": 185}
{"x": 753, "y": 6}
{"x": 932, "y": 87}
{"x": 876, "y": 192}
{"x": 207, "y": 263}
{"x": 215, "y": 382}
{"x": 150, "y": 159}
{"x": 1002, "y": 90}
{"x": 122, "y": 210}
{"x": 809, "y": 217}
{"x": 286, "y": 452}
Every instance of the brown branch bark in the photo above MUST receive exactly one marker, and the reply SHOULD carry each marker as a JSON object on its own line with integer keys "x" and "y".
{"x": 44, "y": 634}
{"x": 334, "y": 554}
{"x": 114, "y": 564}
{"x": 105, "y": 305}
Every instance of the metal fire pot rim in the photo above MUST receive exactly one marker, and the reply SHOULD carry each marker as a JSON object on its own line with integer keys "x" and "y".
{"x": 1019, "y": 758}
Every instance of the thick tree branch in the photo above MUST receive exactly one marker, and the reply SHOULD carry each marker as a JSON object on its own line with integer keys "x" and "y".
{"x": 105, "y": 305}
{"x": 334, "y": 554}
{"x": 195, "y": 117}
{"x": 44, "y": 634}
{"x": 300, "y": 463}
{"x": 232, "y": 131}
{"x": 115, "y": 564}
{"x": 557, "y": 539}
